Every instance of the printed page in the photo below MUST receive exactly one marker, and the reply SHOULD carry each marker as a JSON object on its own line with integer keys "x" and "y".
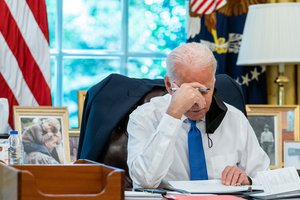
{"x": 279, "y": 180}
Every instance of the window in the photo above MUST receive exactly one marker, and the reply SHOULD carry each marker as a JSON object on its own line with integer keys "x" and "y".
{"x": 90, "y": 39}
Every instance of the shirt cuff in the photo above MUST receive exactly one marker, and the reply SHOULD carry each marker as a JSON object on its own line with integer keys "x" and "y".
{"x": 250, "y": 180}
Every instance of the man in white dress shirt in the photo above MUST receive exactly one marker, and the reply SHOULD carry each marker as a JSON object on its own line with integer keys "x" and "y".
{"x": 158, "y": 130}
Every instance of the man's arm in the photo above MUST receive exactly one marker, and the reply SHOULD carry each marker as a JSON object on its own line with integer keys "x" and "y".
{"x": 255, "y": 159}
{"x": 151, "y": 142}
{"x": 151, "y": 149}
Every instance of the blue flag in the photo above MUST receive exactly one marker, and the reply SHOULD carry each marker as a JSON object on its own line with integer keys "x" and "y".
{"x": 222, "y": 31}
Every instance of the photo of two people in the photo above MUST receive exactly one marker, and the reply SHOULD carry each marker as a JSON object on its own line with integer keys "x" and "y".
{"x": 42, "y": 140}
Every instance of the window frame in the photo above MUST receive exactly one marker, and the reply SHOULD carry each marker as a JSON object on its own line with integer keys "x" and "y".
{"x": 59, "y": 54}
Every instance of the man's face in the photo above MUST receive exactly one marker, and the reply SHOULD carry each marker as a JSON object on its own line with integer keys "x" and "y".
{"x": 206, "y": 77}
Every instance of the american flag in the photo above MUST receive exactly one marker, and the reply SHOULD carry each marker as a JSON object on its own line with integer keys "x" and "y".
{"x": 205, "y": 6}
{"x": 24, "y": 54}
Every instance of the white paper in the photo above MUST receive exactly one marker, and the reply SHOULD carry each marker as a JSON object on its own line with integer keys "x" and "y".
{"x": 131, "y": 195}
{"x": 210, "y": 186}
{"x": 278, "y": 181}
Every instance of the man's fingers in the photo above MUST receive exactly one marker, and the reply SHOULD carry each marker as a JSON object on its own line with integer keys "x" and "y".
{"x": 232, "y": 175}
{"x": 224, "y": 174}
{"x": 193, "y": 84}
{"x": 243, "y": 179}
{"x": 227, "y": 175}
{"x": 235, "y": 177}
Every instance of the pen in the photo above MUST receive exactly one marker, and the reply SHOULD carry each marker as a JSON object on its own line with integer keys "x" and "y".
{"x": 200, "y": 89}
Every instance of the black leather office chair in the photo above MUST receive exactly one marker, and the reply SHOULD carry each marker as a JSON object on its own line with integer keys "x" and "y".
{"x": 103, "y": 135}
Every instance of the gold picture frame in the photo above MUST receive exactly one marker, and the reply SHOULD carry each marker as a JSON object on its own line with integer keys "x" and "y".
{"x": 81, "y": 98}
{"x": 292, "y": 154}
{"x": 44, "y": 130}
{"x": 74, "y": 141}
{"x": 267, "y": 128}
{"x": 290, "y": 119}
{"x": 290, "y": 127}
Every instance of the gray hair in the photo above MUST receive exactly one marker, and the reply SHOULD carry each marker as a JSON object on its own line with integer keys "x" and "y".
{"x": 53, "y": 122}
{"x": 190, "y": 54}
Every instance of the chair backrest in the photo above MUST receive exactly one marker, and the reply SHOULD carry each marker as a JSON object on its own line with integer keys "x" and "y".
{"x": 115, "y": 151}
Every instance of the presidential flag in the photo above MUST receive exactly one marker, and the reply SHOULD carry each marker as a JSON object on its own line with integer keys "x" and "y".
{"x": 24, "y": 54}
{"x": 221, "y": 29}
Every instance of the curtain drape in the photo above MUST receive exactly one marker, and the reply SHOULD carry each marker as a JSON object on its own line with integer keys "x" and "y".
{"x": 292, "y": 89}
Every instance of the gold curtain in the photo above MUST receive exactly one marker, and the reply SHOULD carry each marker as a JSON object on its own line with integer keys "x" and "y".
{"x": 292, "y": 89}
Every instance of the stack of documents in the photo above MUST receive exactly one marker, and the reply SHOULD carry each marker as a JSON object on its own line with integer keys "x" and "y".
{"x": 274, "y": 184}
{"x": 279, "y": 183}
{"x": 202, "y": 197}
{"x": 212, "y": 187}
{"x": 131, "y": 195}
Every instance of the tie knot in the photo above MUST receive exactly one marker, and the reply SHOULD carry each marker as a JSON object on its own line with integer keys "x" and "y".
{"x": 193, "y": 123}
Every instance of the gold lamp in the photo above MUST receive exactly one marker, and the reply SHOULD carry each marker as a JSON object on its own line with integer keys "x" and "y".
{"x": 272, "y": 37}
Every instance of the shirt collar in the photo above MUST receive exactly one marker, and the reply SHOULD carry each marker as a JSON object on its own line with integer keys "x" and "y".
{"x": 186, "y": 120}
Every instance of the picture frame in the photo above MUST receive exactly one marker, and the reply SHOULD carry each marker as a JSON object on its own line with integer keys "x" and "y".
{"x": 290, "y": 128}
{"x": 81, "y": 98}
{"x": 292, "y": 154}
{"x": 74, "y": 141}
{"x": 44, "y": 131}
{"x": 4, "y": 145}
{"x": 289, "y": 115}
{"x": 267, "y": 128}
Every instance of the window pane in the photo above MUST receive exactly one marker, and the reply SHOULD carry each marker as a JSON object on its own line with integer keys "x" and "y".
{"x": 51, "y": 14}
{"x": 81, "y": 74}
{"x": 147, "y": 67}
{"x": 93, "y": 24}
{"x": 156, "y": 25}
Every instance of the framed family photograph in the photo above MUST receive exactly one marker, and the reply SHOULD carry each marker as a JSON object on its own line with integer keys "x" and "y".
{"x": 289, "y": 119}
{"x": 74, "y": 141}
{"x": 267, "y": 130}
{"x": 81, "y": 99}
{"x": 292, "y": 154}
{"x": 4, "y": 145}
{"x": 44, "y": 132}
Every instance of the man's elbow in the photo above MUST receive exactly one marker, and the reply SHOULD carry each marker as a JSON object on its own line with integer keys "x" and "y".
{"x": 144, "y": 179}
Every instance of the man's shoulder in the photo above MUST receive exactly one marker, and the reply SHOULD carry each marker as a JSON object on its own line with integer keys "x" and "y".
{"x": 233, "y": 110}
{"x": 156, "y": 104}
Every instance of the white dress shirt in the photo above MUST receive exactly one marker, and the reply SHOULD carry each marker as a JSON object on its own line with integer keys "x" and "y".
{"x": 158, "y": 147}
{"x": 266, "y": 136}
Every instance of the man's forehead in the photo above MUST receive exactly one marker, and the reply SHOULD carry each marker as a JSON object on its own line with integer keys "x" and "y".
{"x": 202, "y": 79}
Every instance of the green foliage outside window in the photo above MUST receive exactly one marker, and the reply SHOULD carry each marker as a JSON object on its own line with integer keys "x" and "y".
{"x": 92, "y": 43}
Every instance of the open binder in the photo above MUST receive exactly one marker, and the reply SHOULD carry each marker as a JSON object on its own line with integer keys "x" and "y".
{"x": 213, "y": 187}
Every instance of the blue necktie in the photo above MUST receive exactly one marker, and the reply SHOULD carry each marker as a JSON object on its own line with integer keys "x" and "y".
{"x": 198, "y": 169}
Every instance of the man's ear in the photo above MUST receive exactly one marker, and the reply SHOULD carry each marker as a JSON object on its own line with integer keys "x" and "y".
{"x": 168, "y": 84}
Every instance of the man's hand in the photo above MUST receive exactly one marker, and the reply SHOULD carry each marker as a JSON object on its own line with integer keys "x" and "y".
{"x": 184, "y": 98}
{"x": 232, "y": 175}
